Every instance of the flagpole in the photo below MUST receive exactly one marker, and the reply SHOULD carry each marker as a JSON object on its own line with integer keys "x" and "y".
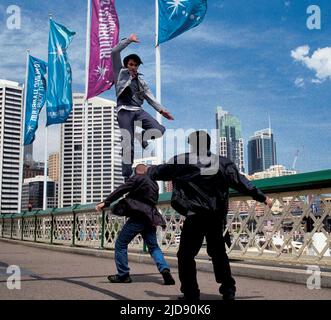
{"x": 87, "y": 58}
{"x": 20, "y": 179}
{"x": 45, "y": 155}
{"x": 159, "y": 144}
{"x": 45, "y": 167}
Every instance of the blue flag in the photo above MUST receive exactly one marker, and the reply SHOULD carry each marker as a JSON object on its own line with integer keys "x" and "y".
{"x": 59, "y": 91}
{"x": 35, "y": 97}
{"x": 178, "y": 16}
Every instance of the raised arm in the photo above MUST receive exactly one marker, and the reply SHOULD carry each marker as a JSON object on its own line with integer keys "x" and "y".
{"x": 116, "y": 53}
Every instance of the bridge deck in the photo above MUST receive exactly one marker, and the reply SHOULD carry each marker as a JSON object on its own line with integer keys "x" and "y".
{"x": 56, "y": 275}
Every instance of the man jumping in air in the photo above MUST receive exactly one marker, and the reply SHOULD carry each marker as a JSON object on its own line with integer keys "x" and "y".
{"x": 131, "y": 91}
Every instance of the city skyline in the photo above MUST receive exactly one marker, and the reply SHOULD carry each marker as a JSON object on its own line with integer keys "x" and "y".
{"x": 278, "y": 68}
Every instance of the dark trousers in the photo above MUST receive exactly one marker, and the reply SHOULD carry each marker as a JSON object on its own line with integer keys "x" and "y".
{"x": 127, "y": 121}
{"x": 195, "y": 228}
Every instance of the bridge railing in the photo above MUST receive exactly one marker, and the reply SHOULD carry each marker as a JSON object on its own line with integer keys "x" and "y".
{"x": 295, "y": 230}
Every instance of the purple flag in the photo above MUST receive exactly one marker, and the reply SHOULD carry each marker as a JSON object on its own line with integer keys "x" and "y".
{"x": 104, "y": 36}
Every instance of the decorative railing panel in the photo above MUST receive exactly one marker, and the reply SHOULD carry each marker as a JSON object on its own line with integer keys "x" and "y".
{"x": 62, "y": 228}
{"x": 44, "y": 228}
{"x": 29, "y": 228}
{"x": 88, "y": 229}
{"x": 113, "y": 226}
{"x": 6, "y": 232}
{"x": 17, "y": 228}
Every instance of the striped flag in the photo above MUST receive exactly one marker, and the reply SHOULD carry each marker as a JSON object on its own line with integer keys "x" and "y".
{"x": 103, "y": 37}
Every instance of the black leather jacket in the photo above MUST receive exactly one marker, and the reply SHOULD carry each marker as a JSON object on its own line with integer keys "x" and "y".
{"x": 146, "y": 192}
{"x": 213, "y": 175}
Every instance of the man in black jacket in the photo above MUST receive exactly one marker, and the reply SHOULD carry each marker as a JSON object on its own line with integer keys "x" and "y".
{"x": 141, "y": 200}
{"x": 202, "y": 181}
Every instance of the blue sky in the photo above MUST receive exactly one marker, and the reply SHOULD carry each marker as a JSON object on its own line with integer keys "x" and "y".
{"x": 253, "y": 58}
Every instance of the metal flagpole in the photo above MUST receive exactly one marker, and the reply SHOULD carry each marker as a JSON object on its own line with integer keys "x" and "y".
{"x": 20, "y": 179}
{"x": 85, "y": 140}
{"x": 159, "y": 141}
{"x": 45, "y": 157}
{"x": 45, "y": 167}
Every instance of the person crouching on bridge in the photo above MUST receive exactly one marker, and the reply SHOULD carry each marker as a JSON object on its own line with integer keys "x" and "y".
{"x": 140, "y": 206}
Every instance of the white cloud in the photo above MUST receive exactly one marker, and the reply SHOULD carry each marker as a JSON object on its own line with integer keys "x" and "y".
{"x": 300, "y": 52}
{"x": 316, "y": 81}
{"x": 299, "y": 82}
{"x": 319, "y": 61}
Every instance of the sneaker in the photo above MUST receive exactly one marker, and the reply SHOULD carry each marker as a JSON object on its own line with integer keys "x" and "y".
{"x": 167, "y": 277}
{"x": 117, "y": 279}
{"x": 228, "y": 294}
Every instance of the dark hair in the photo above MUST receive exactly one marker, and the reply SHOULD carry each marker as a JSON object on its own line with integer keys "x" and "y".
{"x": 198, "y": 138}
{"x": 133, "y": 57}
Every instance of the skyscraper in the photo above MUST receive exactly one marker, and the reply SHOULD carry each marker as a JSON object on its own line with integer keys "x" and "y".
{"x": 261, "y": 151}
{"x": 11, "y": 97}
{"x": 231, "y": 144}
{"x": 103, "y": 159}
{"x": 54, "y": 166}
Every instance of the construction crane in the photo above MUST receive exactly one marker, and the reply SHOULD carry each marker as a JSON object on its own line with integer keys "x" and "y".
{"x": 295, "y": 159}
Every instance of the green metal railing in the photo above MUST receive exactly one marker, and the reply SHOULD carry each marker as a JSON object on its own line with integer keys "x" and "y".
{"x": 295, "y": 230}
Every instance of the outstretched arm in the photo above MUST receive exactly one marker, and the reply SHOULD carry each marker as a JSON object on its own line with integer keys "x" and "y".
{"x": 155, "y": 104}
{"x": 240, "y": 183}
{"x": 116, "y": 194}
{"x": 116, "y": 53}
{"x": 172, "y": 170}
{"x": 164, "y": 172}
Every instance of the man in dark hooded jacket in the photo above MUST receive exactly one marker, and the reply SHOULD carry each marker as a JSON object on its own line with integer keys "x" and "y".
{"x": 140, "y": 206}
{"x": 201, "y": 183}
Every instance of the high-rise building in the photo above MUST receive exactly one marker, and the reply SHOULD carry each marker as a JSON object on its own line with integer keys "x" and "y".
{"x": 261, "y": 151}
{"x": 54, "y": 166}
{"x": 33, "y": 193}
{"x": 11, "y": 97}
{"x": 28, "y": 153}
{"x": 103, "y": 154}
{"x": 231, "y": 144}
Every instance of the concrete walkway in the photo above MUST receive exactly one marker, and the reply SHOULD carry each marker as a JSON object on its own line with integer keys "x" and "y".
{"x": 48, "y": 274}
